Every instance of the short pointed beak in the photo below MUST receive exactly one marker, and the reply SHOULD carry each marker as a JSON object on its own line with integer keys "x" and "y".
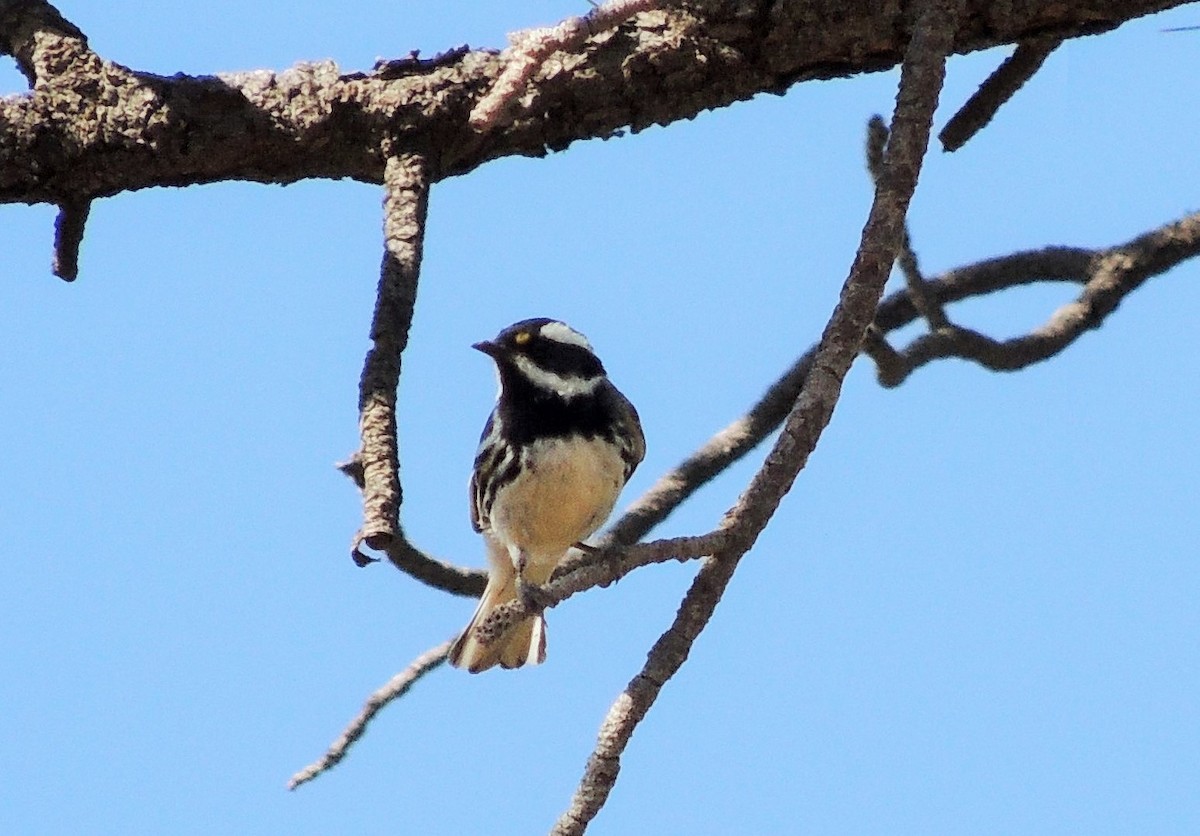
{"x": 489, "y": 348}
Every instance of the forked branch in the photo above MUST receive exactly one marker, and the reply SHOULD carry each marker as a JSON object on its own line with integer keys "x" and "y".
{"x": 920, "y": 85}
{"x": 1108, "y": 275}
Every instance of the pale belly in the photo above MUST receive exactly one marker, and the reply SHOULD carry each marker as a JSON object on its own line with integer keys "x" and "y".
{"x": 567, "y": 491}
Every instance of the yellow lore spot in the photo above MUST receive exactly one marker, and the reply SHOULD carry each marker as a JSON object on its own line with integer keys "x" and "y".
{"x": 522, "y": 337}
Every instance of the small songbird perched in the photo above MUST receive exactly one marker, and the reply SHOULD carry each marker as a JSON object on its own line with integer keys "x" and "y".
{"x": 554, "y": 454}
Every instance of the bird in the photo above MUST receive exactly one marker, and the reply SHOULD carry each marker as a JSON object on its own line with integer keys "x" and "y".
{"x": 558, "y": 447}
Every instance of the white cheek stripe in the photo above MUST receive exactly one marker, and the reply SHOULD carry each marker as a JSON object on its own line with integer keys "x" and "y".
{"x": 560, "y": 332}
{"x": 567, "y": 387}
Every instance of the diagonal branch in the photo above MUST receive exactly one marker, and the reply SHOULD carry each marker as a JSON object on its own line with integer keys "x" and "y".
{"x": 997, "y": 89}
{"x": 920, "y": 84}
{"x": 1158, "y": 252}
{"x": 395, "y": 688}
{"x": 531, "y": 48}
{"x": 906, "y": 257}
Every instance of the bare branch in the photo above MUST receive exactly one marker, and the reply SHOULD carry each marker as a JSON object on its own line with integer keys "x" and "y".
{"x": 395, "y": 688}
{"x": 448, "y": 577}
{"x": 997, "y": 89}
{"x": 1153, "y": 254}
{"x": 906, "y": 257}
{"x": 405, "y": 202}
{"x": 531, "y": 48}
{"x": 600, "y": 568}
{"x": 1108, "y": 276}
{"x": 375, "y": 467}
{"x": 1159, "y": 251}
{"x": 989, "y": 276}
{"x": 920, "y": 85}
{"x": 314, "y": 122}
{"x": 719, "y": 452}
{"x": 68, "y": 235}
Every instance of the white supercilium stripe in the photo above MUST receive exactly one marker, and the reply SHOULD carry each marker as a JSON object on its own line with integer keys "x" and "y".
{"x": 560, "y": 332}
{"x": 567, "y": 387}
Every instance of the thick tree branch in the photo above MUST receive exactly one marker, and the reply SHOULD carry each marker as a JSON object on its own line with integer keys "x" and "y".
{"x": 920, "y": 85}
{"x": 46, "y": 45}
{"x": 91, "y": 128}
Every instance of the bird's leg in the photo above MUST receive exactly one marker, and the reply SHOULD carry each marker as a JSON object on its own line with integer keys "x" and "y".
{"x": 530, "y": 595}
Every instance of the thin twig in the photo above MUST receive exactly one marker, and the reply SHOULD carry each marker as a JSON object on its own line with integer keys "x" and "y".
{"x": 395, "y": 688}
{"x": 531, "y": 48}
{"x": 906, "y": 257}
{"x": 68, "y": 235}
{"x": 1108, "y": 276}
{"x": 997, "y": 89}
{"x": 718, "y": 453}
{"x": 599, "y": 568}
{"x": 920, "y": 84}
{"x": 448, "y": 577}
{"x": 888, "y": 362}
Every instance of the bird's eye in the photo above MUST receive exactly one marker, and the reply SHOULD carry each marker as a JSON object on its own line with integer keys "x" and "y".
{"x": 522, "y": 337}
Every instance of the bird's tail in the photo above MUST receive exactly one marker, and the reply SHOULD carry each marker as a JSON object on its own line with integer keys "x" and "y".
{"x": 524, "y": 643}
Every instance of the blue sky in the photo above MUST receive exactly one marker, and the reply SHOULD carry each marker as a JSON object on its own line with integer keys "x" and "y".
{"x": 976, "y": 611}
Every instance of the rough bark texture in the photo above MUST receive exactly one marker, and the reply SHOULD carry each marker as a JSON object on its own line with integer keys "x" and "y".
{"x": 92, "y": 128}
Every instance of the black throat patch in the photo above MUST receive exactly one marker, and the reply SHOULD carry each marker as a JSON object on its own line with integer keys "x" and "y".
{"x": 528, "y": 412}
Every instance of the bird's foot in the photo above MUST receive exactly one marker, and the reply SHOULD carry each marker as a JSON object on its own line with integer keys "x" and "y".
{"x": 532, "y": 597}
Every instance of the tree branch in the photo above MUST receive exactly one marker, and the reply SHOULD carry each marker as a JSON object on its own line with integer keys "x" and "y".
{"x": 376, "y": 465}
{"x": 405, "y": 203}
{"x": 1108, "y": 276}
{"x": 68, "y": 235}
{"x": 1158, "y": 251}
{"x": 531, "y": 48}
{"x": 91, "y": 128}
{"x": 395, "y": 688}
{"x": 997, "y": 89}
{"x": 45, "y": 44}
{"x": 906, "y": 257}
{"x": 920, "y": 85}
{"x": 1152, "y": 254}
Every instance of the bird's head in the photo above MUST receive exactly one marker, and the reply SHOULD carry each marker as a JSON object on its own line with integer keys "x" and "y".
{"x": 547, "y": 355}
